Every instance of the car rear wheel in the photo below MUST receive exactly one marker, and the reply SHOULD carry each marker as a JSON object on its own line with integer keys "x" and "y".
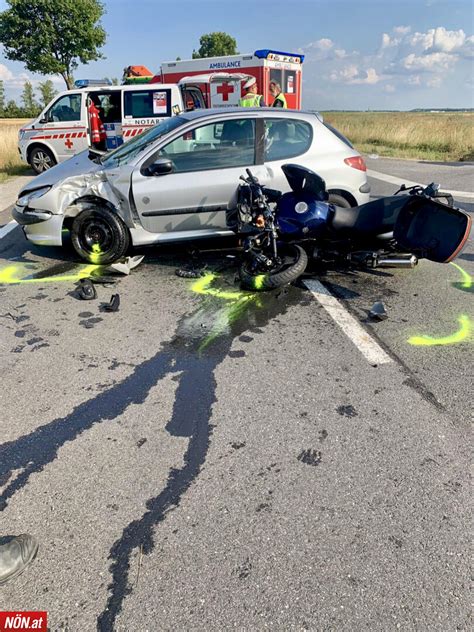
{"x": 41, "y": 159}
{"x": 339, "y": 200}
{"x": 99, "y": 236}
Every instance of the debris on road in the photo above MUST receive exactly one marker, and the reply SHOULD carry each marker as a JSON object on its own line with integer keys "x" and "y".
{"x": 124, "y": 266}
{"x": 378, "y": 311}
{"x": 86, "y": 290}
{"x": 113, "y": 305}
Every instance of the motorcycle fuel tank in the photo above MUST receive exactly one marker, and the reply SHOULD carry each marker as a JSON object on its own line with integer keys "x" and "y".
{"x": 300, "y": 216}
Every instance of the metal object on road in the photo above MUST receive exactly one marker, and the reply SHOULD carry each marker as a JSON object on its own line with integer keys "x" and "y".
{"x": 378, "y": 311}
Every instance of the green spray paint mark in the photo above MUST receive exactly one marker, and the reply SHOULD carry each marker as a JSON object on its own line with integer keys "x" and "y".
{"x": 12, "y": 275}
{"x": 259, "y": 281}
{"x": 202, "y": 286}
{"x": 463, "y": 333}
{"x": 466, "y": 282}
{"x": 95, "y": 254}
{"x": 236, "y": 304}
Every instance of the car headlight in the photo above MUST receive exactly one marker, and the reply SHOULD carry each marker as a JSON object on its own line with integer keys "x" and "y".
{"x": 21, "y": 134}
{"x": 24, "y": 199}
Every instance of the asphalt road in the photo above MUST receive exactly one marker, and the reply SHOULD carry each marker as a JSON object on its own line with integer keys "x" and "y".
{"x": 205, "y": 460}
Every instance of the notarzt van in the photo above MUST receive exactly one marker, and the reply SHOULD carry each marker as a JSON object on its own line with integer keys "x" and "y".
{"x": 63, "y": 128}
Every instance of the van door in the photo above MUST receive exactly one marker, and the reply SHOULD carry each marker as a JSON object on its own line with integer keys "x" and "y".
{"x": 144, "y": 107}
{"x": 64, "y": 125}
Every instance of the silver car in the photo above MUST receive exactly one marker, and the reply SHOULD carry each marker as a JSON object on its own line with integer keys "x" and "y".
{"x": 176, "y": 180}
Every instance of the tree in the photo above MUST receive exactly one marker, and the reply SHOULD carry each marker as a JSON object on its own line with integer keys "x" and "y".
{"x": 2, "y": 98}
{"x": 12, "y": 110}
{"x": 52, "y": 36}
{"x": 216, "y": 45}
{"x": 28, "y": 97}
{"x": 47, "y": 92}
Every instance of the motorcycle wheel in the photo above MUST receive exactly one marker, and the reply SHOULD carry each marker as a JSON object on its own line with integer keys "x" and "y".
{"x": 294, "y": 262}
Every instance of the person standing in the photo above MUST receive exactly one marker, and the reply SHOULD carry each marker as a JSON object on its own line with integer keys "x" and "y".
{"x": 279, "y": 100}
{"x": 98, "y": 135}
{"x": 251, "y": 98}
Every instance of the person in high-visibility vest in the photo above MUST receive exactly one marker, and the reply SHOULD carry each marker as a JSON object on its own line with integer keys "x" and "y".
{"x": 98, "y": 135}
{"x": 251, "y": 98}
{"x": 279, "y": 100}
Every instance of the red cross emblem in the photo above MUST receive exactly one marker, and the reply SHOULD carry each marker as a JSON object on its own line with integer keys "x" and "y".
{"x": 68, "y": 143}
{"x": 225, "y": 89}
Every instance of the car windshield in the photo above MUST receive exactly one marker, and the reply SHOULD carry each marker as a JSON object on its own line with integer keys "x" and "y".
{"x": 123, "y": 154}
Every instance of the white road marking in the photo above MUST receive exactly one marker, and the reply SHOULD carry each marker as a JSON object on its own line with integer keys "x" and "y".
{"x": 372, "y": 351}
{"x": 8, "y": 228}
{"x": 397, "y": 181}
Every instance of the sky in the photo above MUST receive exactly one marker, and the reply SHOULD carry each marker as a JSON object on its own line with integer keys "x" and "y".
{"x": 359, "y": 54}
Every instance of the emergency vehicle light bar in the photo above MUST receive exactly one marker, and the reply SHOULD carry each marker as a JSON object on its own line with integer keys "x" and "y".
{"x": 277, "y": 55}
{"x": 86, "y": 83}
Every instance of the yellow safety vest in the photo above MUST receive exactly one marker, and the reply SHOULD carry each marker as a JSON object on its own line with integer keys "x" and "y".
{"x": 280, "y": 97}
{"x": 250, "y": 100}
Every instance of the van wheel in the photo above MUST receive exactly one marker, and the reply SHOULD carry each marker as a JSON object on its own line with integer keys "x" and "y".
{"x": 339, "y": 200}
{"x": 41, "y": 159}
{"x": 99, "y": 236}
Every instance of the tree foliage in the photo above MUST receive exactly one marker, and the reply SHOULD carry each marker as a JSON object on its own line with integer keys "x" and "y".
{"x": 30, "y": 106}
{"x": 52, "y": 36}
{"x": 215, "y": 45}
{"x": 47, "y": 92}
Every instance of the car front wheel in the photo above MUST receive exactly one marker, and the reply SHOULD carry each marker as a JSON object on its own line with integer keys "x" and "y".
{"x": 99, "y": 236}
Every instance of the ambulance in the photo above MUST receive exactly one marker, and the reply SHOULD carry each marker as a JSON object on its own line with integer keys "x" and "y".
{"x": 63, "y": 128}
{"x": 214, "y": 76}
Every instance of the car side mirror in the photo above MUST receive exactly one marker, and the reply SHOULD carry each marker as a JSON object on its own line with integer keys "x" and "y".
{"x": 160, "y": 167}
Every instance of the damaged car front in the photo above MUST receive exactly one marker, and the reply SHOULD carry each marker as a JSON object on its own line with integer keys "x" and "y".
{"x": 88, "y": 196}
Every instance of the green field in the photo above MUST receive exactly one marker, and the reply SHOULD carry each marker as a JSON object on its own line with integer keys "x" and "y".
{"x": 419, "y": 135}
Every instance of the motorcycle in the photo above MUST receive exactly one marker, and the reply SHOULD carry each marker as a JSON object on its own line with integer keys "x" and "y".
{"x": 281, "y": 231}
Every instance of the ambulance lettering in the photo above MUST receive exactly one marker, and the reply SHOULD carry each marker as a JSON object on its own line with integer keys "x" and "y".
{"x": 220, "y": 65}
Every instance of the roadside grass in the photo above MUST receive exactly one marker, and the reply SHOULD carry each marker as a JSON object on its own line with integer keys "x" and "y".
{"x": 10, "y": 163}
{"x": 447, "y": 137}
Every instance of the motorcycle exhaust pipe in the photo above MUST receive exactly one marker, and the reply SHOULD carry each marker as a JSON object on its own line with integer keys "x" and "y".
{"x": 397, "y": 262}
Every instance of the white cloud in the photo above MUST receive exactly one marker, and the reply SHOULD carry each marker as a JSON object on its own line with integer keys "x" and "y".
{"x": 433, "y": 62}
{"x": 434, "y": 82}
{"x": 351, "y": 75}
{"x": 389, "y": 88}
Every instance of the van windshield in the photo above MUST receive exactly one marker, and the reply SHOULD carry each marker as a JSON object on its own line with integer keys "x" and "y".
{"x": 127, "y": 152}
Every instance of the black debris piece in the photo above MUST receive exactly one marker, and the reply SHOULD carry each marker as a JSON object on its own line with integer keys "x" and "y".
{"x": 114, "y": 304}
{"x": 190, "y": 273}
{"x": 86, "y": 290}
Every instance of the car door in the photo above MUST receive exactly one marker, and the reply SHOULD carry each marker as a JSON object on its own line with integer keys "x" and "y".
{"x": 207, "y": 163}
{"x": 65, "y": 125}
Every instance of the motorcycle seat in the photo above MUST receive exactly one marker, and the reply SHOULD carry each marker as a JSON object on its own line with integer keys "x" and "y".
{"x": 373, "y": 218}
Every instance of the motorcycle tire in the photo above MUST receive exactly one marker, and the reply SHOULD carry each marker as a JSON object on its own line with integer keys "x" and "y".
{"x": 295, "y": 264}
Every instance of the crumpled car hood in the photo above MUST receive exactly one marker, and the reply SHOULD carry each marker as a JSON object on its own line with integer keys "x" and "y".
{"x": 77, "y": 165}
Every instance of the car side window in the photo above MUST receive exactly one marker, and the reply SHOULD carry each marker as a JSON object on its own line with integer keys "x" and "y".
{"x": 286, "y": 138}
{"x": 214, "y": 146}
{"x": 67, "y": 108}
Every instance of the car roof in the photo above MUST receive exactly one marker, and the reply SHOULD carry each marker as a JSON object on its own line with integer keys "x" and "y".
{"x": 281, "y": 113}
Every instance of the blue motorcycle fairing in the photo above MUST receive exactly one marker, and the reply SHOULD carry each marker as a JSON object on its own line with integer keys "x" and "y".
{"x": 300, "y": 216}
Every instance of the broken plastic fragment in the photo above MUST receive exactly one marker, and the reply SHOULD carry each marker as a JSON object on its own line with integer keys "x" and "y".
{"x": 113, "y": 305}
{"x": 125, "y": 265}
{"x": 378, "y": 311}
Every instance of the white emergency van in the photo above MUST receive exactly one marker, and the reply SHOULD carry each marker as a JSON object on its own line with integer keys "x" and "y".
{"x": 63, "y": 128}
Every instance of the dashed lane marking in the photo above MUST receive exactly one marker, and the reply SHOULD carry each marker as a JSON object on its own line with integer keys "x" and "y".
{"x": 8, "y": 228}
{"x": 370, "y": 349}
